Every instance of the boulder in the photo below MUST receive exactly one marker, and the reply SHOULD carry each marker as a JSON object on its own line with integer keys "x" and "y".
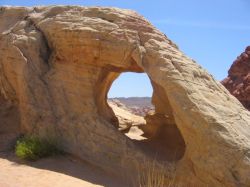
{"x": 56, "y": 67}
{"x": 126, "y": 118}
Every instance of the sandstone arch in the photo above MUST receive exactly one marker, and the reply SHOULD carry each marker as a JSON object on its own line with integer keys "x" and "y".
{"x": 58, "y": 62}
{"x": 164, "y": 140}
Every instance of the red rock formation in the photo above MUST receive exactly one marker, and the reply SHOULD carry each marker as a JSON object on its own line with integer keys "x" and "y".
{"x": 238, "y": 80}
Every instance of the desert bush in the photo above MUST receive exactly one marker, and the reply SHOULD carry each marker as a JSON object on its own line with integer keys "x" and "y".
{"x": 33, "y": 148}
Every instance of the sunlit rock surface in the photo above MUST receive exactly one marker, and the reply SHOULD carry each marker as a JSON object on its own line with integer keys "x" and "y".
{"x": 57, "y": 64}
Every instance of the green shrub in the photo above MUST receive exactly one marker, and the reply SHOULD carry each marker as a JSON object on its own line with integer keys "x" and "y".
{"x": 33, "y": 148}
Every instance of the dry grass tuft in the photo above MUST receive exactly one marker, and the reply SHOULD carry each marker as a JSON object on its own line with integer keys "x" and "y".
{"x": 155, "y": 175}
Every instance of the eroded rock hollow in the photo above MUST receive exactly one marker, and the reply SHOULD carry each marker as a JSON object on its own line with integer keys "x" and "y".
{"x": 57, "y": 64}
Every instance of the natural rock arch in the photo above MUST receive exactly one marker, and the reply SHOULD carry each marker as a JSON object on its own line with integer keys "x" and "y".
{"x": 163, "y": 135}
{"x": 58, "y": 62}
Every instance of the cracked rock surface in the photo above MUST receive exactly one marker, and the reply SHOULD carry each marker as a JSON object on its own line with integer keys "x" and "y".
{"x": 57, "y": 64}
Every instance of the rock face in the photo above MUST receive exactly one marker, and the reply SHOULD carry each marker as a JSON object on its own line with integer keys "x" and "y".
{"x": 238, "y": 80}
{"x": 57, "y": 64}
{"x": 125, "y": 117}
{"x": 129, "y": 123}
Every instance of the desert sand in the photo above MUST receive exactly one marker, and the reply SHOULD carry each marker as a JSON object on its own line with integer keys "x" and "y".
{"x": 60, "y": 171}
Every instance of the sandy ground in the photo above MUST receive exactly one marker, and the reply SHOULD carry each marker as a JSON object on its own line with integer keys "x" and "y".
{"x": 62, "y": 171}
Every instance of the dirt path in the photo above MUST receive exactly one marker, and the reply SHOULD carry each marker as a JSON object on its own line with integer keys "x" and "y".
{"x": 52, "y": 172}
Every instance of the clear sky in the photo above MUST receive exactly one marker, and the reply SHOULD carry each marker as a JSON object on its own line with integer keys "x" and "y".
{"x": 213, "y": 32}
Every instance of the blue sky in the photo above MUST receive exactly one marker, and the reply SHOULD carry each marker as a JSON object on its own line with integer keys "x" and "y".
{"x": 212, "y": 32}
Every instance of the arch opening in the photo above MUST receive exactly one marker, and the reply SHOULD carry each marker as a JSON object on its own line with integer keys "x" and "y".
{"x": 155, "y": 132}
{"x": 130, "y": 99}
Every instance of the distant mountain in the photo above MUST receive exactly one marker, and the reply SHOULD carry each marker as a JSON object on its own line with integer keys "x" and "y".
{"x": 135, "y": 101}
{"x": 137, "y": 105}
